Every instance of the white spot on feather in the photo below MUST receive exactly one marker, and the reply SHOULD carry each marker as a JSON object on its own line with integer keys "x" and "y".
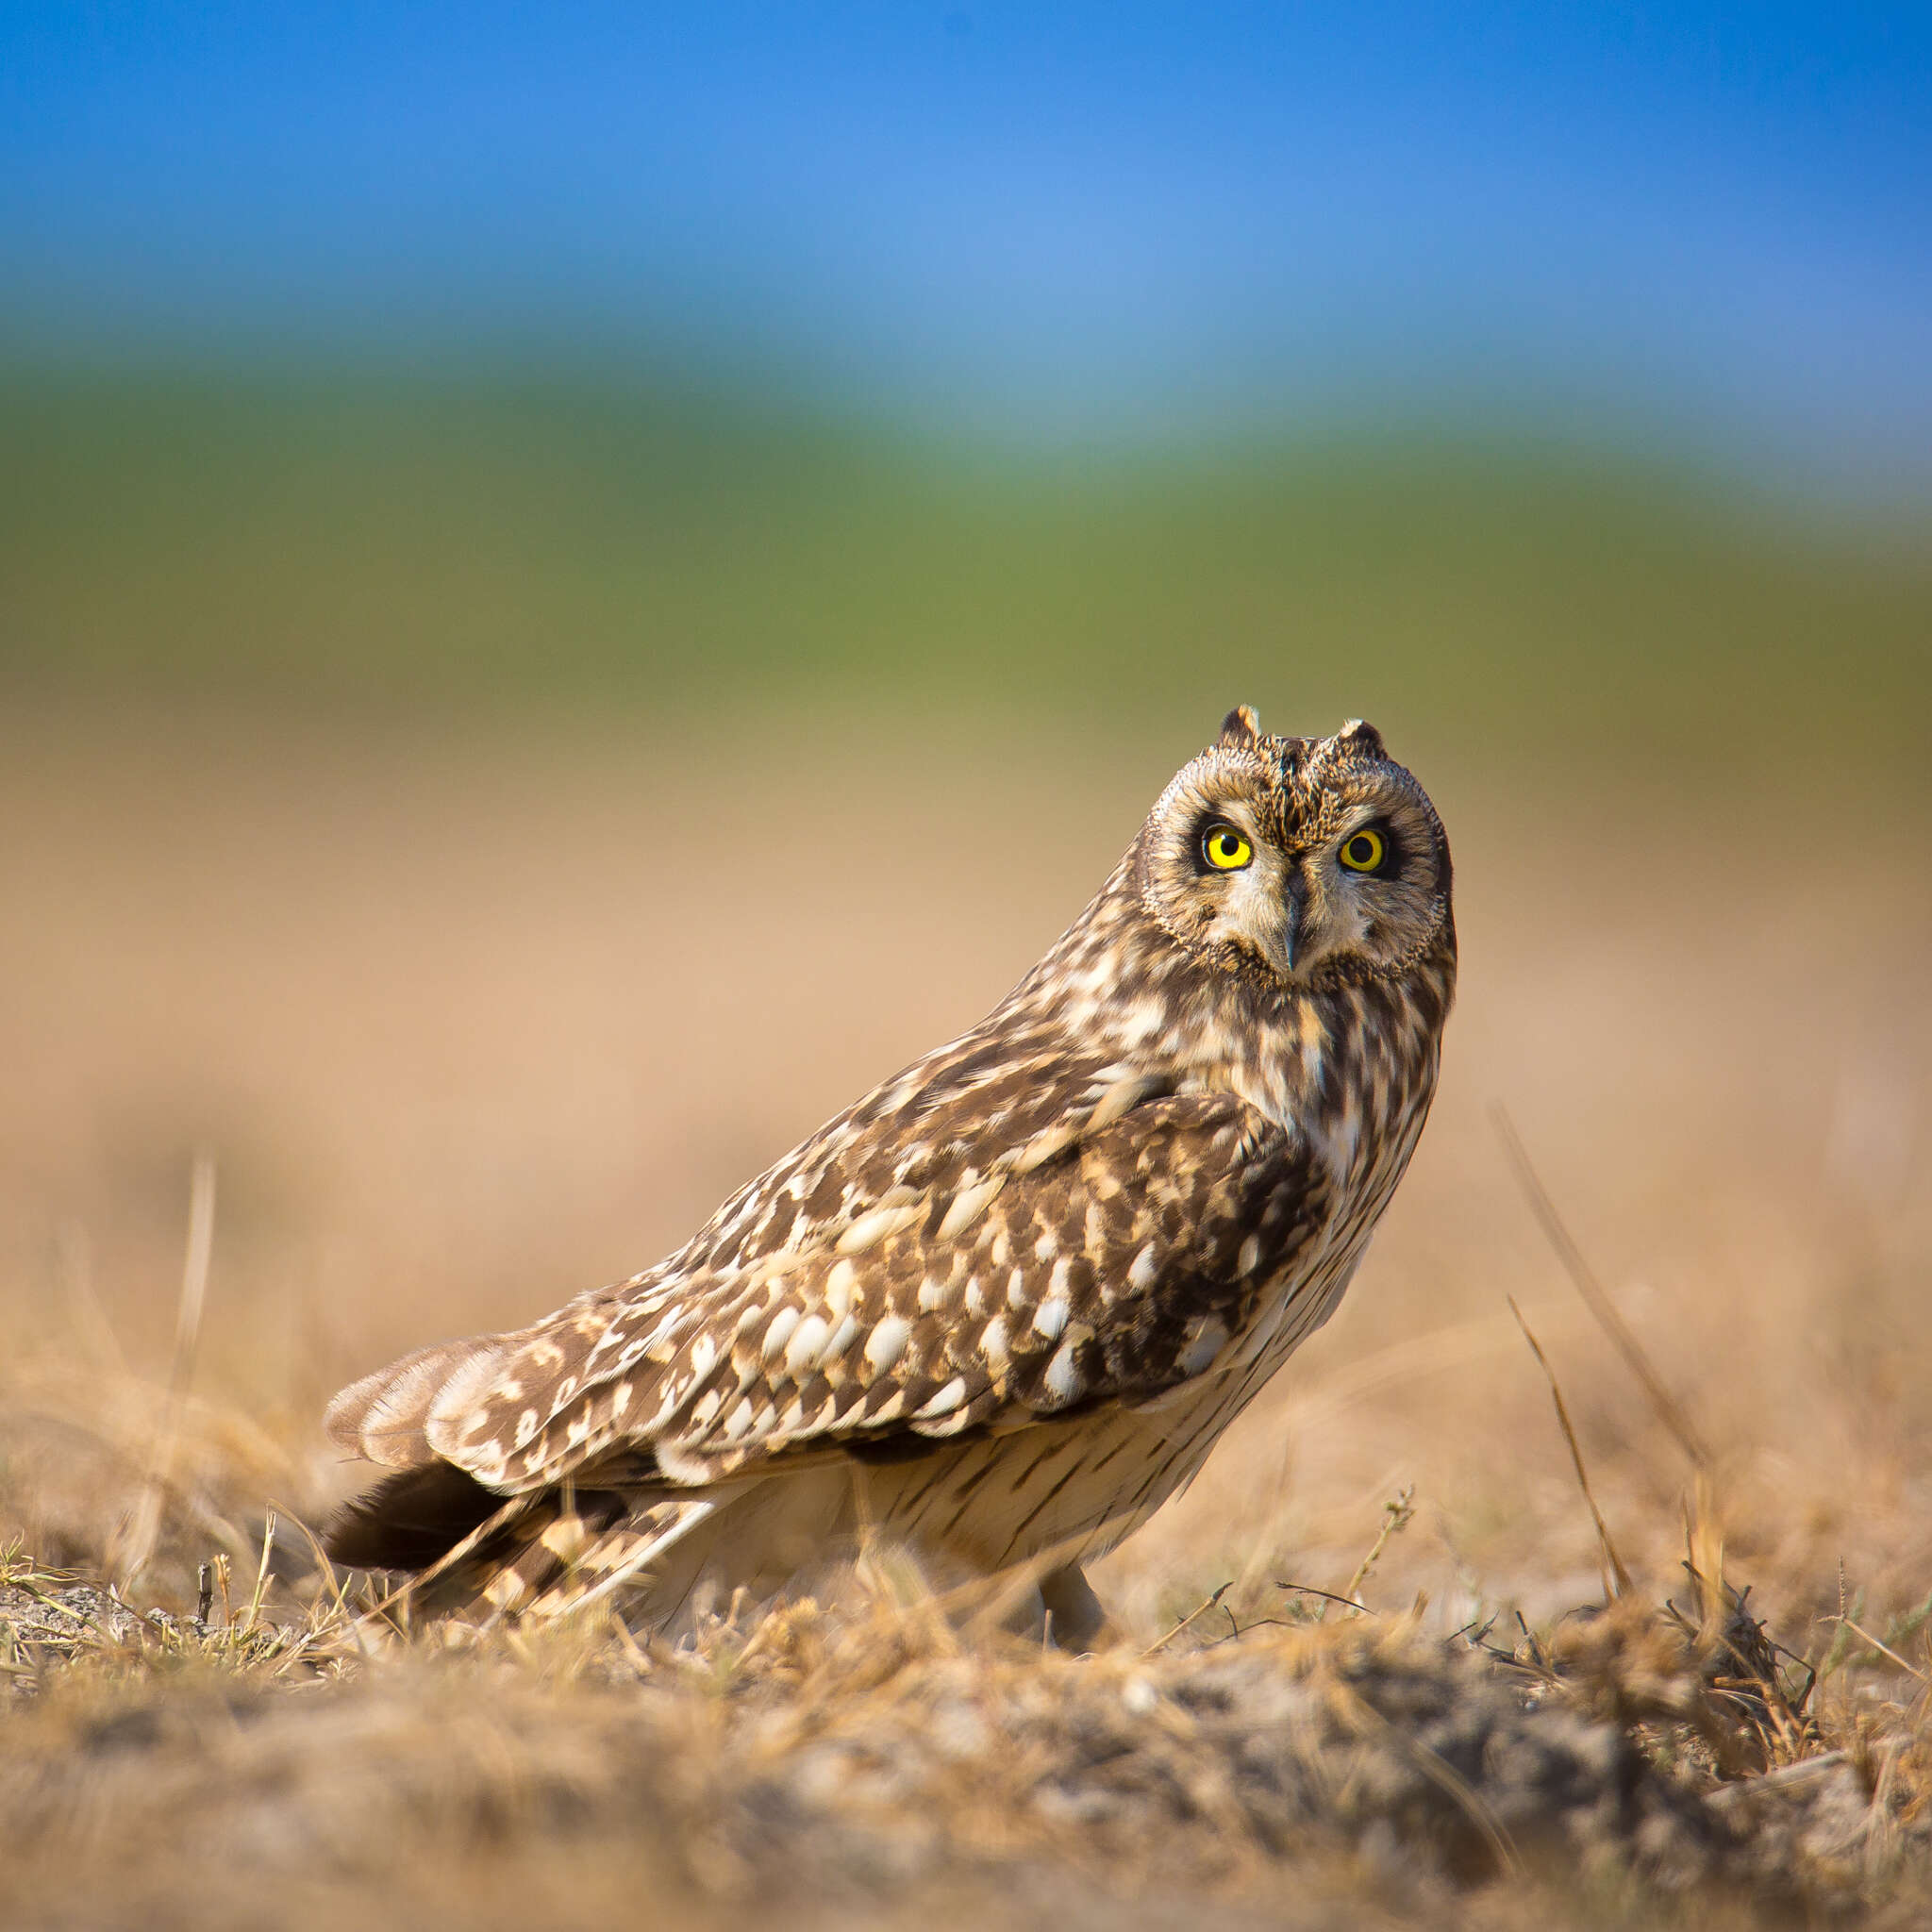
{"x": 1050, "y": 1317}
{"x": 875, "y": 1227}
{"x": 946, "y": 1400}
{"x": 783, "y": 1323}
{"x": 992, "y": 1345}
{"x": 838, "y": 1286}
{"x": 841, "y": 1338}
{"x": 887, "y": 1344}
{"x": 968, "y": 1205}
{"x": 801, "y": 1355}
{"x": 1121, "y": 1096}
{"x": 1041, "y": 1148}
{"x": 1063, "y": 1380}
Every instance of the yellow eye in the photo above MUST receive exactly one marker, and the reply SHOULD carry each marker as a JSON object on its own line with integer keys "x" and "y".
{"x": 1225, "y": 849}
{"x": 1364, "y": 851}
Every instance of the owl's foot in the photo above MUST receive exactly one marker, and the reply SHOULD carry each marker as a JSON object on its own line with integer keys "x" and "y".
{"x": 1076, "y": 1619}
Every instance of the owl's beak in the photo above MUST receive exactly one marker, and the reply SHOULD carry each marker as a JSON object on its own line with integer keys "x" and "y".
{"x": 1294, "y": 938}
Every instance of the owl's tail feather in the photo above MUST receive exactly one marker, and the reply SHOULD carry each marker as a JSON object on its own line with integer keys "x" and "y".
{"x": 386, "y": 1416}
{"x": 554, "y": 1554}
{"x": 622, "y": 1559}
{"x": 474, "y": 1552}
{"x": 412, "y": 1520}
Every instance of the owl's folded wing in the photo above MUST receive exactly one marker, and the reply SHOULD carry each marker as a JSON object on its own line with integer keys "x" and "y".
{"x": 1115, "y": 1269}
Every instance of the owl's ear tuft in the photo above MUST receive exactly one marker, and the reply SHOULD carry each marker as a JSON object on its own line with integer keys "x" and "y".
{"x": 1240, "y": 729}
{"x": 1363, "y": 738}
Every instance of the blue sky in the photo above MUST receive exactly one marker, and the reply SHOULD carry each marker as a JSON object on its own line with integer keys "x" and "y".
{"x": 1054, "y": 215}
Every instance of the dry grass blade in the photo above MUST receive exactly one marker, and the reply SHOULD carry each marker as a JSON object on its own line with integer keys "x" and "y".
{"x": 325, "y": 1567}
{"x": 1670, "y": 1411}
{"x": 1193, "y": 1616}
{"x": 1865, "y": 1636}
{"x": 1327, "y": 1595}
{"x": 1617, "y": 1578}
{"x": 137, "y": 1544}
{"x": 260, "y": 1589}
{"x": 1782, "y": 1779}
{"x": 1704, "y": 1545}
{"x": 194, "y": 1268}
{"x": 1396, "y": 1514}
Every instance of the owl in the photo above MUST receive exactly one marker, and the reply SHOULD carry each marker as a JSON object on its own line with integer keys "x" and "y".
{"x": 999, "y": 1309}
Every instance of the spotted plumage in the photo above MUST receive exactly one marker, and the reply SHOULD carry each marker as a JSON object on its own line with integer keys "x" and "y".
{"x": 1001, "y": 1306}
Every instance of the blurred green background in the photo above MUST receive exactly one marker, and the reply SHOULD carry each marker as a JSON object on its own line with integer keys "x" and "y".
{"x": 363, "y": 541}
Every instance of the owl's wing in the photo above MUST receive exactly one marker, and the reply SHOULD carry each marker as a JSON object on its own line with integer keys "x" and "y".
{"x": 1107, "y": 1268}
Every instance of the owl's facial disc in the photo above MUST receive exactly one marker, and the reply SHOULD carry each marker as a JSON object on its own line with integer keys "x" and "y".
{"x": 1367, "y": 888}
{"x": 1297, "y": 858}
{"x": 1236, "y": 879}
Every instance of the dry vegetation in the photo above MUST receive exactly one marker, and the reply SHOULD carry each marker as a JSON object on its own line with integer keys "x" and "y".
{"x": 464, "y": 1026}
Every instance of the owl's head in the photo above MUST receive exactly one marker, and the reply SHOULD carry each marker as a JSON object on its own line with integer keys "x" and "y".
{"x": 1304, "y": 861}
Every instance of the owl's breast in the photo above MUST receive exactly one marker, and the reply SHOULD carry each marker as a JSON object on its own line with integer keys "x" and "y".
{"x": 1352, "y": 1085}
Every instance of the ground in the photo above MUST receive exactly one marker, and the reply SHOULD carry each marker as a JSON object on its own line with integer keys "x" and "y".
{"x": 451, "y": 1026}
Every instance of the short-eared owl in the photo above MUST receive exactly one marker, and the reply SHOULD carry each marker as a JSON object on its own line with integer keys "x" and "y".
{"x": 999, "y": 1308}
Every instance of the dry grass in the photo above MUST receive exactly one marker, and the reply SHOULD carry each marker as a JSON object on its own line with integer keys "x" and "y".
{"x": 463, "y": 1027}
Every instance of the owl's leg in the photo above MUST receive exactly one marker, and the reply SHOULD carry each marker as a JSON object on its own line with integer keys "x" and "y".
{"x": 1079, "y": 1620}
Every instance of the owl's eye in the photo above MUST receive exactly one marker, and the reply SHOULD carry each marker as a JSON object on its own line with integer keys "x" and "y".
{"x": 1225, "y": 849}
{"x": 1365, "y": 851}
